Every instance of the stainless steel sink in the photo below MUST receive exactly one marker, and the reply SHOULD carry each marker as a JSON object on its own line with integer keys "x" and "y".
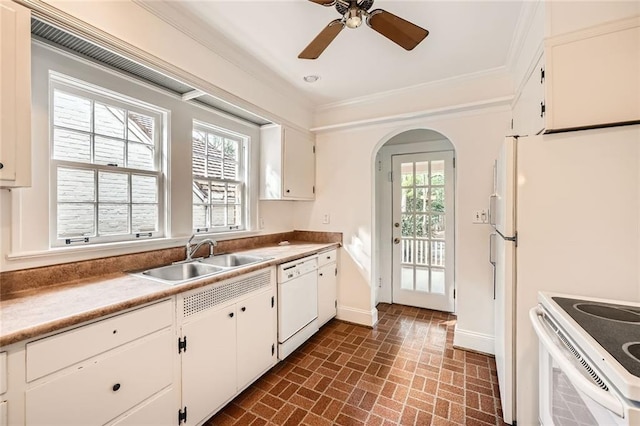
{"x": 232, "y": 260}
{"x": 180, "y": 272}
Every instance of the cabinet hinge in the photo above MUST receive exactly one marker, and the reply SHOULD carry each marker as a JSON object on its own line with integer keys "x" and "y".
{"x": 454, "y": 293}
{"x": 512, "y": 124}
{"x": 182, "y": 415}
{"x": 542, "y": 109}
{"x": 273, "y": 301}
{"x": 335, "y": 302}
{"x": 454, "y": 162}
{"x": 390, "y": 176}
{"x": 541, "y": 75}
{"x": 182, "y": 344}
{"x": 313, "y": 188}
{"x": 336, "y": 274}
{"x": 314, "y": 149}
{"x": 273, "y": 349}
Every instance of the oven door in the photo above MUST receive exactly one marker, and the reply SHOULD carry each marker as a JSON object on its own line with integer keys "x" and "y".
{"x": 571, "y": 392}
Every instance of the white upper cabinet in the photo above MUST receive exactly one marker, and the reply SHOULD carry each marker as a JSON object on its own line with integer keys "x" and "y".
{"x": 15, "y": 95}
{"x": 582, "y": 79}
{"x": 287, "y": 164}
{"x": 593, "y": 76}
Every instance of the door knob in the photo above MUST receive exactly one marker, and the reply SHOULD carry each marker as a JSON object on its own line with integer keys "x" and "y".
{"x": 396, "y": 241}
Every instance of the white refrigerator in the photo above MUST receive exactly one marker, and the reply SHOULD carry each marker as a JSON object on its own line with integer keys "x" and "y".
{"x": 565, "y": 215}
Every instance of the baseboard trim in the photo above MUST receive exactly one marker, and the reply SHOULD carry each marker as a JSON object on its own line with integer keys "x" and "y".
{"x": 358, "y": 316}
{"x": 477, "y": 342}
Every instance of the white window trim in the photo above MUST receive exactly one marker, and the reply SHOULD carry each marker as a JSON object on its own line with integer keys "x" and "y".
{"x": 78, "y": 87}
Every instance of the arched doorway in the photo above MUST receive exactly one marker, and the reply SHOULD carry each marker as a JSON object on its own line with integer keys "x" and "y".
{"x": 415, "y": 217}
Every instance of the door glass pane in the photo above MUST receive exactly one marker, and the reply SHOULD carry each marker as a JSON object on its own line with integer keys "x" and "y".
{"x": 437, "y": 281}
{"x": 437, "y": 253}
{"x": 408, "y": 225}
{"x": 422, "y": 279}
{"x": 422, "y": 252}
{"x": 407, "y": 251}
{"x": 422, "y": 172}
{"x": 420, "y": 201}
{"x": 437, "y": 172}
{"x": 406, "y": 202}
{"x": 406, "y": 278}
{"x": 422, "y": 225}
{"x": 437, "y": 226}
{"x": 406, "y": 170}
{"x": 436, "y": 202}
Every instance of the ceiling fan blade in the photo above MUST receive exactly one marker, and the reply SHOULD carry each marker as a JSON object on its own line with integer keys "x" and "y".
{"x": 322, "y": 40}
{"x": 396, "y": 29}
{"x": 327, "y": 3}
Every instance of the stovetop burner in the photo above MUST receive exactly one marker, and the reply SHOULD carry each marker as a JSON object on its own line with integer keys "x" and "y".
{"x": 615, "y": 327}
{"x": 609, "y": 312}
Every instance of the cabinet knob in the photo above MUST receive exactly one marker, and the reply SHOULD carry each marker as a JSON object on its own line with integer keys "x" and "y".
{"x": 243, "y": 309}
{"x": 321, "y": 275}
{"x": 230, "y": 314}
{"x": 288, "y": 191}
{"x": 1, "y": 166}
{"x": 116, "y": 387}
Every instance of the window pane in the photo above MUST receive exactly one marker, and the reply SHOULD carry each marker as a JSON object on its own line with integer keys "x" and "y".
{"x": 76, "y": 220}
{"x": 200, "y": 216}
{"x": 218, "y": 192}
{"x": 71, "y": 111}
{"x": 109, "y": 151}
{"x": 214, "y": 145}
{"x": 71, "y": 146}
{"x": 234, "y": 194}
{"x": 233, "y": 215}
{"x": 144, "y": 189}
{"x": 76, "y": 185}
{"x": 230, "y": 170}
{"x": 141, "y": 128}
{"x": 218, "y": 216}
{"x": 109, "y": 121}
{"x": 140, "y": 156}
{"x": 200, "y": 192}
{"x": 231, "y": 149}
{"x": 214, "y": 167}
{"x": 144, "y": 217}
{"x": 113, "y": 188}
{"x": 113, "y": 219}
{"x": 198, "y": 165}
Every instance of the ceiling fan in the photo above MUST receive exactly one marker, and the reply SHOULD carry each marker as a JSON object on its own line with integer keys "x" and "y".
{"x": 396, "y": 29}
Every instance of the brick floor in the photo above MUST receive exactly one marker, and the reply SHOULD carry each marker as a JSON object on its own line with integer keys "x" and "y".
{"x": 404, "y": 371}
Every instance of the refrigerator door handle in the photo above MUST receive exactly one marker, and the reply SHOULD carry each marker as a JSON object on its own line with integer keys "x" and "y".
{"x": 492, "y": 209}
{"x": 492, "y": 262}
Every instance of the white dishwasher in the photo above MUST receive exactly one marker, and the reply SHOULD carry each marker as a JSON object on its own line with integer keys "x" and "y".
{"x": 297, "y": 303}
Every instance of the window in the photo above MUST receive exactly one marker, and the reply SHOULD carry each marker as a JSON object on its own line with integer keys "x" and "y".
{"x": 106, "y": 169}
{"x": 219, "y": 179}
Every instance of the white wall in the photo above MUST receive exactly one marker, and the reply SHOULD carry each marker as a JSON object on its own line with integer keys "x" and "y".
{"x": 345, "y": 182}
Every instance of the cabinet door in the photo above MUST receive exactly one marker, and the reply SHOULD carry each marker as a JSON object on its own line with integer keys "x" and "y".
{"x": 15, "y": 95}
{"x": 299, "y": 171}
{"x": 161, "y": 410}
{"x": 528, "y": 116}
{"x": 209, "y": 363}
{"x": 256, "y": 336}
{"x": 327, "y": 293}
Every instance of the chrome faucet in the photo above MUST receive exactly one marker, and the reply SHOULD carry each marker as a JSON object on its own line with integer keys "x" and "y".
{"x": 193, "y": 250}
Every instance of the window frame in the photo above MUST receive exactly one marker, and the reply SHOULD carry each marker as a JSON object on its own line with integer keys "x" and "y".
{"x": 245, "y": 184}
{"x": 77, "y": 87}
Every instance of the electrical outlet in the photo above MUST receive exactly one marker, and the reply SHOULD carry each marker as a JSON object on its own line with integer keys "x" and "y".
{"x": 326, "y": 219}
{"x": 481, "y": 216}
{"x": 261, "y": 223}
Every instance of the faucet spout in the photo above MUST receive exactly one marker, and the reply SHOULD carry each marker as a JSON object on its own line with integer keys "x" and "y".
{"x": 192, "y": 250}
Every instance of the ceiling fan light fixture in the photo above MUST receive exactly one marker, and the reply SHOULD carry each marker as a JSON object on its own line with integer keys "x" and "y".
{"x": 311, "y": 78}
{"x": 354, "y": 20}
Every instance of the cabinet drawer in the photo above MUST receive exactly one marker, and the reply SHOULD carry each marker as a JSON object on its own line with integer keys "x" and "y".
{"x": 327, "y": 257}
{"x": 54, "y": 353}
{"x": 101, "y": 390}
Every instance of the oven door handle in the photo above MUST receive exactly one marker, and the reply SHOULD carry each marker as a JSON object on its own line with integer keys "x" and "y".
{"x": 601, "y": 396}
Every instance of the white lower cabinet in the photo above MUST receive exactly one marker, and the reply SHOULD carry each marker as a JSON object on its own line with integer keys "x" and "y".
{"x": 109, "y": 381}
{"x": 327, "y": 286}
{"x": 228, "y": 337}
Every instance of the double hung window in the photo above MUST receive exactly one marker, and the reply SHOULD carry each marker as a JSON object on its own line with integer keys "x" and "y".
{"x": 107, "y": 181}
{"x": 219, "y": 179}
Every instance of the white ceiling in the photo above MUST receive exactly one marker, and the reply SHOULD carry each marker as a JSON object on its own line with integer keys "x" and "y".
{"x": 465, "y": 38}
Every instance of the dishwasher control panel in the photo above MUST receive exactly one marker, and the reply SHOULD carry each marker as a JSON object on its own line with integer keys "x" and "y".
{"x": 295, "y": 268}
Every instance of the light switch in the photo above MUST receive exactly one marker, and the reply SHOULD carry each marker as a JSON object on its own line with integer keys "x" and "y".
{"x": 326, "y": 219}
{"x": 481, "y": 216}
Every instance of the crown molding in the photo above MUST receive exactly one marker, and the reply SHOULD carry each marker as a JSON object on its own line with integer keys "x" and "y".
{"x": 382, "y": 96}
{"x": 500, "y": 102}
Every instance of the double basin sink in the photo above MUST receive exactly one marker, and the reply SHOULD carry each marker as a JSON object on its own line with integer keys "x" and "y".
{"x": 181, "y": 272}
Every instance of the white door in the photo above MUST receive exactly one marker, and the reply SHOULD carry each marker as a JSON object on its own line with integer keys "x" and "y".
{"x": 422, "y": 230}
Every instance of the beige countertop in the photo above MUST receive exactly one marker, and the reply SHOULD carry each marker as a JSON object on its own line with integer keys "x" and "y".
{"x": 56, "y": 307}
